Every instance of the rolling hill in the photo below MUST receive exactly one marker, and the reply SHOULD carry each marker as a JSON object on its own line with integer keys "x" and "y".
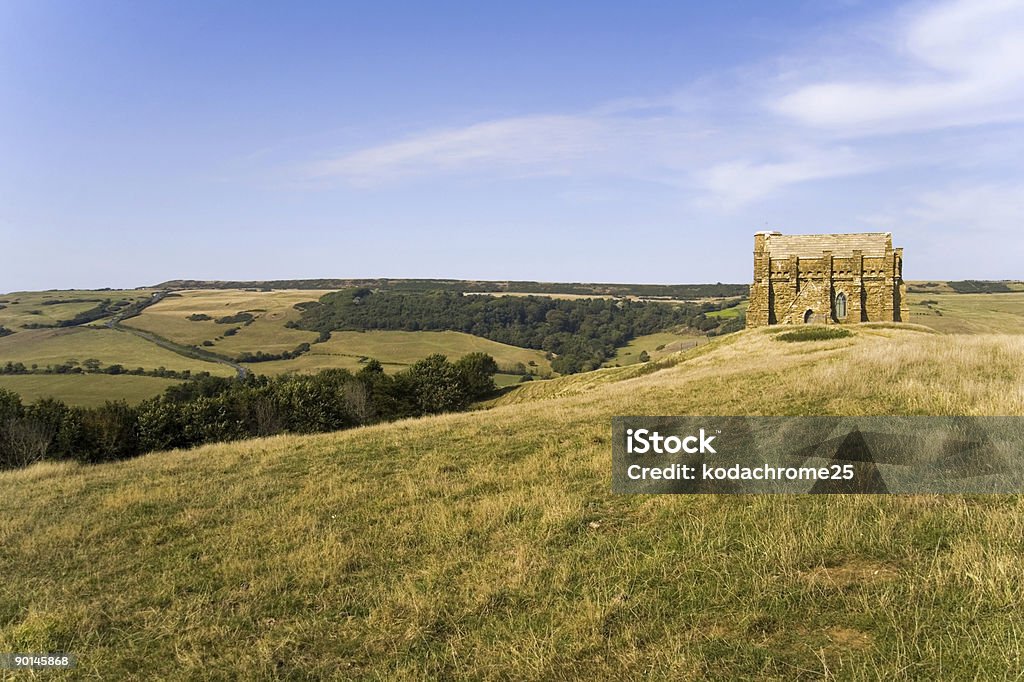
{"x": 488, "y": 544}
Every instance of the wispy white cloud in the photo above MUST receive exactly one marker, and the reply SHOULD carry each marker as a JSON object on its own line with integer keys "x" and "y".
{"x": 739, "y": 182}
{"x": 957, "y": 63}
{"x": 727, "y": 143}
{"x": 523, "y": 144}
{"x": 993, "y": 208}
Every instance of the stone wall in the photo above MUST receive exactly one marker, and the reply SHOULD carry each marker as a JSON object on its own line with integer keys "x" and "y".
{"x": 792, "y": 286}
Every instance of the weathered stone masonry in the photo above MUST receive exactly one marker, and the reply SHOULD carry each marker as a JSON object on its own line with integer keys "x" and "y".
{"x": 826, "y": 279}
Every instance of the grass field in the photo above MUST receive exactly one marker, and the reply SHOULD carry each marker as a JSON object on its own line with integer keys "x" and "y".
{"x": 488, "y": 544}
{"x": 656, "y": 346}
{"x": 28, "y": 307}
{"x": 506, "y": 380}
{"x": 55, "y": 346}
{"x": 969, "y": 313}
{"x": 271, "y": 310}
{"x": 729, "y": 313}
{"x": 396, "y": 350}
{"x": 87, "y": 390}
{"x": 928, "y": 287}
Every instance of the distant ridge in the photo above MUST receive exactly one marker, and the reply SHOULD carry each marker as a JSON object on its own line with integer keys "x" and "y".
{"x": 485, "y": 286}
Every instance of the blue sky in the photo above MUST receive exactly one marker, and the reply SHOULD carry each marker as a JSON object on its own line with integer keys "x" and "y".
{"x": 613, "y": 142}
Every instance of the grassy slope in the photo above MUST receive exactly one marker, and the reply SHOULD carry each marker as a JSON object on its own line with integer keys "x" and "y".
{"x": 488, "y": 544}
{"x": 670, "y": 342}
{"x": 397, "y": 349}
{"x": 734, "y": 311}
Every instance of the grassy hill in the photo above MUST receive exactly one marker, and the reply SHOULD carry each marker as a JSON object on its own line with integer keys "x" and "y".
{"x": 488, "y": 544}
{"x": 657, "y": 345}
{"x": 396, "y": 349}
{"x": 51, "y": 307}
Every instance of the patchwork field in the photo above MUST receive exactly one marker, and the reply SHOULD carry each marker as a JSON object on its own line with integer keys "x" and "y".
{"x": 50, "y": 307}
{"x": 488, "y": 545}
{"x": 270, "y": 311}
{"x": 267, "y": 332}
{"x": 395, "y": 350}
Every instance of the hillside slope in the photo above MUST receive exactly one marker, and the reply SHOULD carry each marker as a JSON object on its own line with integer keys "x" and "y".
{"x": 488, "y": 544}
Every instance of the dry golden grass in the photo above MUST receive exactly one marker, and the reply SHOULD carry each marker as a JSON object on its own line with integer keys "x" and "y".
{"x": 488, "y": 544}
{"x": 656, "y": 346}
{"x": 969, "y": 313}
{"x": 26, "y": 307}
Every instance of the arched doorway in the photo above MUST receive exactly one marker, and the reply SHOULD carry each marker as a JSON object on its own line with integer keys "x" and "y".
{"x": 809, "y": 317}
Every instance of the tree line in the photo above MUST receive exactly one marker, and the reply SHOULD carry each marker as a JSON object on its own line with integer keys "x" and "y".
{"x": 579, "y": 334}
{"x": 216, "y": 409}
{"x": 669, "y": 291}
{"x": 92, "y": 366}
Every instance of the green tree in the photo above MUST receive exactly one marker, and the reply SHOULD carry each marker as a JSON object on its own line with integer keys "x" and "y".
{"x": 437, "y": 386}
{"x": 476, "y": 374}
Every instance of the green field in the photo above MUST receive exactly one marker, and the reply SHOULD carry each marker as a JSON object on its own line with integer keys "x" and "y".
{"x": 55, "y": 346}
{"x": 86, "y": 390}
{"x": 729, "y": 313}
{"x": 655, "y": 345}
{"x": 395, "y": 350}
{"x": 506, "y": 380}
{"x": 487, "y": 545}
{"x": 969, "y": 313}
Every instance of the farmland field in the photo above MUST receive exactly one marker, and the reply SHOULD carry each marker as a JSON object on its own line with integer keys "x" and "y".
{"x": 395, "y": 350}
{"x": 969, "y": 313}
{"x": 50, "y": 307}
{"x": 267, "y": 332}
{"x": 55, "y": 346}
{"x": 729, "y": 313}
{"x": 87, "y": 390}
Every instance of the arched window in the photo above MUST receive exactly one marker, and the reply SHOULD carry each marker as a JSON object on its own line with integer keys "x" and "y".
{"x": 840, "y": 306}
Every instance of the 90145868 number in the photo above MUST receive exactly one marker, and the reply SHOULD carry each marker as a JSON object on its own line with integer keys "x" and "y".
{"x": 21, "y": 661}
